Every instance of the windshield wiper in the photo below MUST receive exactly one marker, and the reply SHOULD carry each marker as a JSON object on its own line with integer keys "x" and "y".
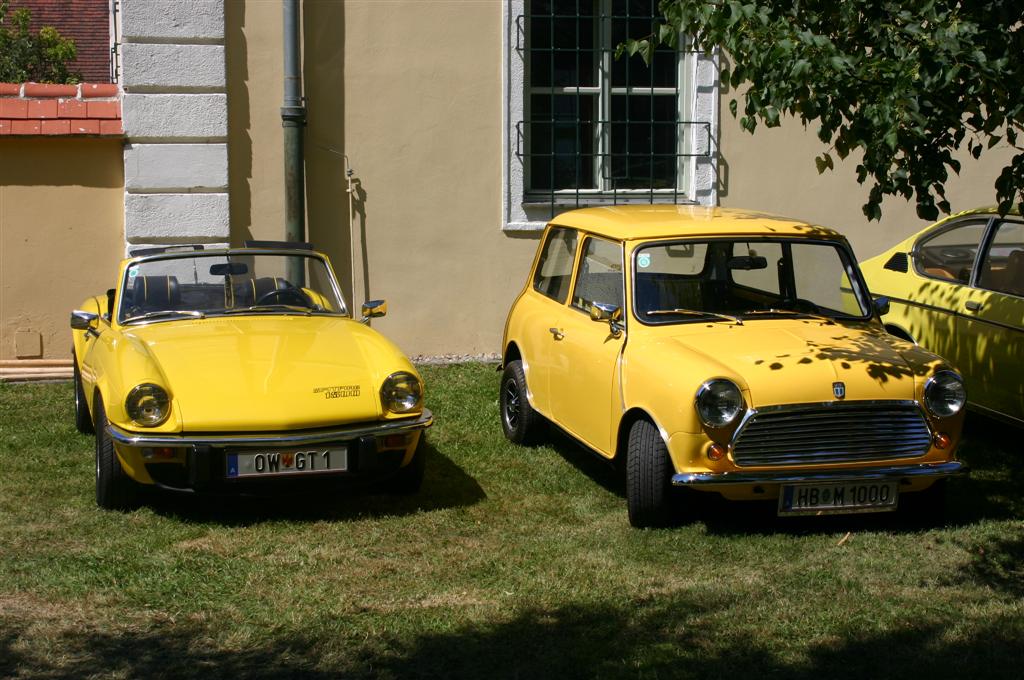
{"x": 269, "y": 308}
{"x": 790, "y": 312}
{"x": 166, "y": 313}
{"x": 693, "y": 312}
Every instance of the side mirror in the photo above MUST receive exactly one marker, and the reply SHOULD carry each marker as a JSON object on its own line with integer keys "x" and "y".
{"x": 882, "y": 305}
{"x": 373, "y": 309}
{"x": 603, "y": 311}
{"x": 82, "y": 320}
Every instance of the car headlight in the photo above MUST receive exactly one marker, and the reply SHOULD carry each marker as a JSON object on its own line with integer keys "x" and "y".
{"x": 719, "y": 403}
{"x": 148, "y": 405}
{"x": 401, "y": 392}
{"x": 945, "y": 394}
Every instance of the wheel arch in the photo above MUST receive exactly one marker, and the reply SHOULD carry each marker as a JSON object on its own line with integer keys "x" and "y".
{"x": 630, "y": 417}
{"x": 511, "y": 353}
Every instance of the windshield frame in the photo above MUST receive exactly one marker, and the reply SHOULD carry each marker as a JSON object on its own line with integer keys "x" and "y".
{"x": 847, "y": 258}
{"x": 226, "y": 252}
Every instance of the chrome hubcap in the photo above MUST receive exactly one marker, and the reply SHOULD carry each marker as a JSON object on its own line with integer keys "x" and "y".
{"x": 511, "y": 404}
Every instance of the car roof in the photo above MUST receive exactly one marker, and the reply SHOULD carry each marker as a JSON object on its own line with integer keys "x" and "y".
{"x": 636, "y": 222}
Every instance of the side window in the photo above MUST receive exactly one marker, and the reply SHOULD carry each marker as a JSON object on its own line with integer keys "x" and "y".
{"x": 554, "y": 271}
{"x": 1002, "y": 268}
{"x": 600, "y": 275}
{"x": 949, "y": 255}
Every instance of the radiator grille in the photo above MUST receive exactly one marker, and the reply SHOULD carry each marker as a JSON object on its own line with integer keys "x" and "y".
{"x": 844, "y": 432}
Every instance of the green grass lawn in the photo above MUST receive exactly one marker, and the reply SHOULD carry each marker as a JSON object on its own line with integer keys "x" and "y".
{"x": 510, "y": 562}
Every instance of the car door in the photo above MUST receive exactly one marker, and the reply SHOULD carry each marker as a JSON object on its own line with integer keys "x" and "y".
{"x": 945, "y": 261}
{"x": 541, "y": 309}
{"x": 585, "y": 353}
{"x": 991, "y": 325}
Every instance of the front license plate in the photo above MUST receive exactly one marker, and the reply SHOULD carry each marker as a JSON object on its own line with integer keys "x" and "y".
{"x": 834, "y": 499}
{"x": 252, "y": 463}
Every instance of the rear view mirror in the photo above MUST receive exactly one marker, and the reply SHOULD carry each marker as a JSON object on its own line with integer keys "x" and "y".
{"x": 748, "y": 262}
{"x": 229, "y": 269}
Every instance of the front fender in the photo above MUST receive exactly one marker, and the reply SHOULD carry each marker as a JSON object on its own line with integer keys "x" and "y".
{"x": 118, "y": 363}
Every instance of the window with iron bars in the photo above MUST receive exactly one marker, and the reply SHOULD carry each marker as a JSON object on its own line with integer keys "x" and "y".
{"x": 598, "y": 129}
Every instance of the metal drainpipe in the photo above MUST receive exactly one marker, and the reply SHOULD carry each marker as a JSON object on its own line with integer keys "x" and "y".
{"x": 293, "y": 119}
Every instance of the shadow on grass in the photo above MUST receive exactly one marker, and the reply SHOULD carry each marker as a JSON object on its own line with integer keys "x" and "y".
{"x": 445, "y": 485}
{"x": 671, "y": 635}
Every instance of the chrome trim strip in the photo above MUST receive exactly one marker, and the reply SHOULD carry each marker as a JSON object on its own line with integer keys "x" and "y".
{"x": 126, "y": 438}
{"x": 949, "y": 469}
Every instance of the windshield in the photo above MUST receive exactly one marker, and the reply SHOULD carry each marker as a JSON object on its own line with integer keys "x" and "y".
{"x": 738, "y": 279}
{"x": 198, "y": 285}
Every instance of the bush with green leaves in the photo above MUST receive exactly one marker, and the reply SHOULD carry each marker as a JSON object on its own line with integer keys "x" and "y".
{"x": 40, "y": 57}
{"x": 907, "y": 83}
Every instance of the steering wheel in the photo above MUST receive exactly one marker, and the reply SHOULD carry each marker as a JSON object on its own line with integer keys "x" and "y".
{"x": 284, "y": 296}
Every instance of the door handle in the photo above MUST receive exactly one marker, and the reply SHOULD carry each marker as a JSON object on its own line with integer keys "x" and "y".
{"x": 973, "y": 305}
{"x": 557, "y": 332}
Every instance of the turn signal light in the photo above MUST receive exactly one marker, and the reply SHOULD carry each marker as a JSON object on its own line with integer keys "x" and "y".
{"x": 942, "y": 440}
{"x": 395, "y": 441}
{"x": 716, "y": 452}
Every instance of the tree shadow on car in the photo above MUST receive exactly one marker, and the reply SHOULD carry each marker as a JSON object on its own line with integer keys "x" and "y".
{"x": 445, "y": 485}
{"x": 994, "y": 491}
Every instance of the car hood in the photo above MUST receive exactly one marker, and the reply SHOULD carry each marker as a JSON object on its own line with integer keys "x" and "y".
{"x": 798, "y": 360}
{"x": 270, "y": 373}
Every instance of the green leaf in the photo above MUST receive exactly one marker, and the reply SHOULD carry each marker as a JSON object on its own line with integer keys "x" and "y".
{"x": 732, "y": 107}
{"x": 823, "y": 163}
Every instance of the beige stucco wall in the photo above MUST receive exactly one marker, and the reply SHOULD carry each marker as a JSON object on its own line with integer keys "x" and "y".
{"x": 61, "y": 235}
{"x": 411, "y": 92}
{"x": 773, "y": 170}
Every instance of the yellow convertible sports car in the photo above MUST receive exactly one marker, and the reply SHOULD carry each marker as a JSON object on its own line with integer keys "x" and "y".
{"x": 957, "y": 288}
{"x": 240, "y": 371}
{"x": 729, "y": 352}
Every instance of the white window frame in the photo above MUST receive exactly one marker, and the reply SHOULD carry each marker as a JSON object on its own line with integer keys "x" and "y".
{"x": 698, "y": 102}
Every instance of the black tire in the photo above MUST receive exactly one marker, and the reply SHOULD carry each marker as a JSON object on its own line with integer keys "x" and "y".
{"x": 83, "y": 421}
{"x": 115, "y": 490}
{"x": 520, "y": 423}
{"x": 409, "y": 479}
{"x": 648, "y": 477}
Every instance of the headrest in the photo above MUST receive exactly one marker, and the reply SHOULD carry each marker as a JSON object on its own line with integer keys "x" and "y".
{"x": 156, "y": 292}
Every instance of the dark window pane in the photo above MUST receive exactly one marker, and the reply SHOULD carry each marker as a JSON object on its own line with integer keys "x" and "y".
{"x": 643, "y": 141}
{"x": 562, "y": 44}
{"x": 561, "y": 139}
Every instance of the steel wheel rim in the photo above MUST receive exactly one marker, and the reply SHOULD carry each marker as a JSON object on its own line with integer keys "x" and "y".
{"x": 511, "y": 404}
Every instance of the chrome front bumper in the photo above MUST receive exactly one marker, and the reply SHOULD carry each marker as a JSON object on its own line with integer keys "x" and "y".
{"x": 379, "y": 428}
{"x": 711, "y": 479}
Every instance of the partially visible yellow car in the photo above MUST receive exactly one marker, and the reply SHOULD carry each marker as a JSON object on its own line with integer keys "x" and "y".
{"x": 725, "y": 351}
{"x": 240, "y": 370}
{"x": 957, "y": 289}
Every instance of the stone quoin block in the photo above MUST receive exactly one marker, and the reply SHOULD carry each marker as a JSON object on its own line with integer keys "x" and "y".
{"x": 175, "y": 166}
{"x": 182, "y": 20}
{"x": 179, "y": 216}
{"x": 152, "y": 67}
{"x": 176, "y": 116}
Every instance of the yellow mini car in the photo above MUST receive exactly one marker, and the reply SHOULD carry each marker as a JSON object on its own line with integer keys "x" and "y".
{"x": 240, "y": 371}
{"x": 957, "y": 288}
{"x": 730, "y": 352}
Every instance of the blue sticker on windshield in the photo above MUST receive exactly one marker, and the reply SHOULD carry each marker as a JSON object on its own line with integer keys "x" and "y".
{"x": 643, "y": 260}
{"x": 133, "y": 271}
